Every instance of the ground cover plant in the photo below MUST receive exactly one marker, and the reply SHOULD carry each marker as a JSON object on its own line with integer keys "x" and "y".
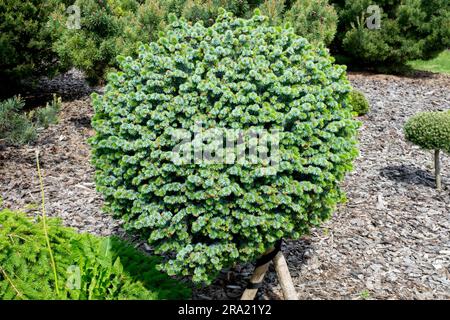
{"x": 237, "y": 74}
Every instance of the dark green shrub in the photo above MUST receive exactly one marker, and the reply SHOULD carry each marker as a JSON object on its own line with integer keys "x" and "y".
{"x": 107, "y": 267}
{"x": 359, "y": 103}
{"x": 430, "y": 131}
{"x": 315, "y": 20}
{"x": 25, "y": 42}
{"x": 108, "y": 29}
{"x": 237, "y": 74}
{"x": 410, "y": 30}
{"x": 15, "y": 126}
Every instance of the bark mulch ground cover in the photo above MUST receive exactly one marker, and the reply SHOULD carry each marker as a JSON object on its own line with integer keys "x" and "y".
{"x": 391, "y": 240}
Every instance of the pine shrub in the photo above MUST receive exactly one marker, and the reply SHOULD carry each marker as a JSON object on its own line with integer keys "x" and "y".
{"x": 108, "y": 29}
{"x": 315, "y": 20}
{"x": 274, "y": 10}
{"x": 236, "y": 74}
{"x": 208, "y": 10}
{"x": 409, "y": 30}
{"x": 47, "y": 115}
{"x": 25, "y": 42}
{"x": 16, "y": 128}
{"x": 88, "y": 267}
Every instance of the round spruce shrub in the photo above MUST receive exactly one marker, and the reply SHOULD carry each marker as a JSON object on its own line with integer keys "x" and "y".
{"x": 359, "y": 102}
{"x": 429, "y": 130}
{"x": 238, "y": 75}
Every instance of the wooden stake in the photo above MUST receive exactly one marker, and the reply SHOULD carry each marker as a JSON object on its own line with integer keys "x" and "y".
{"x": 437, "y": 168}
{"x": 257, "y": 277}
{"x": 284, "y": 277}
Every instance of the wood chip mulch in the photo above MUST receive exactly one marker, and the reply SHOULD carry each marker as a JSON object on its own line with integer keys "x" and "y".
{"x": 391, "y": 240}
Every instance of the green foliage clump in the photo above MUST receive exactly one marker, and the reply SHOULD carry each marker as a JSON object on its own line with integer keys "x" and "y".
{"x": 47, "y": 115}
{"x": 88, "y": 267}
{"x": 208, "y": 10}
{"x": 429, "y": 130}
{"x": 409, "y": 30}
{"x": 237, "y": 74}
{"x": 359, "y": 102}
{"x": 274, "y": 10}
{"x": 15, "y": 126}
{"x": 315, "y": 20}
{"x": 25, "y": 42}
{"x": 107, "y": 29}
{"x": 18, "y": 127}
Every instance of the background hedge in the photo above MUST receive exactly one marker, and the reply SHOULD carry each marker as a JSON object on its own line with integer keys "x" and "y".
{"x": 411, "y": 29}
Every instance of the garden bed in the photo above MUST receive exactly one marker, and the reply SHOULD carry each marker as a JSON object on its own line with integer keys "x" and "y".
{"x": 389, "y": 241}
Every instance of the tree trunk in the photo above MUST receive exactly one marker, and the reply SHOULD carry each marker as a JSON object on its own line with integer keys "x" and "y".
{"x": 437, "y": 168}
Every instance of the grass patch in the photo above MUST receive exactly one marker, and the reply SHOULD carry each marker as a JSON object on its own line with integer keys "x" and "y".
{"x": 440, "y": 64}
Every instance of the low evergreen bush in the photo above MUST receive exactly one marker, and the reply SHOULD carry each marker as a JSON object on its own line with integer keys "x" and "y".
{"x": 429, "y": 130}
{"x": 235, "y": 75}
{"x": 88, "y": 267}
{"x": 274, "y": 10}
{"x": 359, "y": 102}
{"x": 16, "y": 128}
{"x": 47, "y": 115}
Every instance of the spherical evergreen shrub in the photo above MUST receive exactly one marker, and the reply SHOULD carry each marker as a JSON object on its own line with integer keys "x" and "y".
{"x": 359, "y": 102}
{"x": 237, "y": 74}
{"x": 429, "y": 130}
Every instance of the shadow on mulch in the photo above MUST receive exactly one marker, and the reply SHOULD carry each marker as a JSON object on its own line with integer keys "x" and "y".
{"x": 409, "y": 174}
{"x": 69, "y": 86}
{"x": 231, "y": 282}
{"x": 81, "y": 122}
